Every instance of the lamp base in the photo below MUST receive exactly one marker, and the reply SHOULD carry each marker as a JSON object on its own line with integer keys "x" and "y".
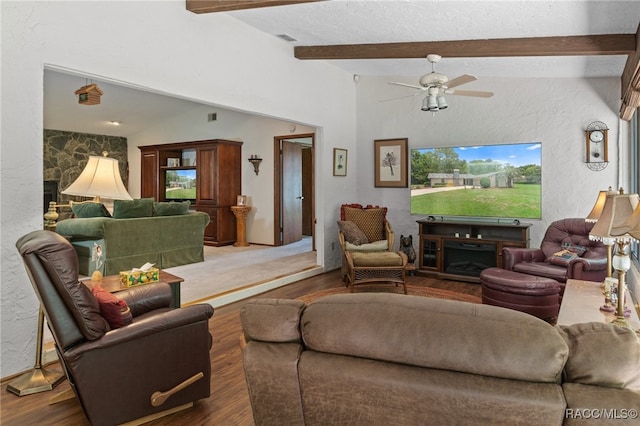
{"x": 34, "y": 381}
{"x": 621, "y": 322}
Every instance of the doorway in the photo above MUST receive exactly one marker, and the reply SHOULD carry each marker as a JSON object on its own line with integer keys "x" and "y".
{"x": 294, "y": 206}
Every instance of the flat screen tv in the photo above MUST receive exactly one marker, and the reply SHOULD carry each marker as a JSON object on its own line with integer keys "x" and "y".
{"x": 485, "y": 181}
{"x": 180, "y": 185}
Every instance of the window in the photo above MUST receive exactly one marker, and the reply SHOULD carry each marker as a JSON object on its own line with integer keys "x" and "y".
{"x": 635, "y": 169}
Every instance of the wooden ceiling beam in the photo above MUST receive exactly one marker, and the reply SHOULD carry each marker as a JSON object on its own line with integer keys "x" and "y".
{"x": 606, "y": 44}
{"x": 630, "y": 82}
{"x": 213, "y": 6}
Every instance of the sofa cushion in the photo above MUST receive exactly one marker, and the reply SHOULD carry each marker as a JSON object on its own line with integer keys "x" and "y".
{"x": 171, "y": 208}
{"x": 416, "y": 331}
{"x": 603, "y": 355}
{"x": 127, "y": 209}
{"x": 369, "y": 219}
{"x": 352, "y": 234}
{"x": 89, "y": 209}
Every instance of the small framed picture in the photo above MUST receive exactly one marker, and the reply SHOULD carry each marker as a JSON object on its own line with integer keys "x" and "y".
{"x": 241, "y": 200}
{"x": 391, "y": 163}
{"x": 339, "y": 162}
{"x": 173, "y": 162}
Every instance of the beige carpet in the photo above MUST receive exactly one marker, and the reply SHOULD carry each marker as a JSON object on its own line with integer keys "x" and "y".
{"x": 412, "y": 290}
{"x": 229, "y": 268}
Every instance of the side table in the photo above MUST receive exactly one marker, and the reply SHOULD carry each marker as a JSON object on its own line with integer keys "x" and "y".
{"x": 111, "y": 283}
{"x": 240, "y": 213}
{"x": 581, "y": 303}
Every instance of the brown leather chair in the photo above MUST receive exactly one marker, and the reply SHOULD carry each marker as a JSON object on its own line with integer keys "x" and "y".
{"x": 157, "y": 364}
{"x": 572, "y": 234}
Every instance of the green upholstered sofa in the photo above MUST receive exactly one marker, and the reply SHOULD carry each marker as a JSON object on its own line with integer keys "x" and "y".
{"x": 111, "y": 245}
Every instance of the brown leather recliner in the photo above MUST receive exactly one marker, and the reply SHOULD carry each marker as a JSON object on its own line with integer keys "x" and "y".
{"x": 115, "y": 372}
{"x": 591, "y": 265}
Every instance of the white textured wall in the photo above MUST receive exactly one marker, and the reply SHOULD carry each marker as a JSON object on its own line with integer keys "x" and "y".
{"x": 160, "y": 45}
{"x": 554, "y": 112}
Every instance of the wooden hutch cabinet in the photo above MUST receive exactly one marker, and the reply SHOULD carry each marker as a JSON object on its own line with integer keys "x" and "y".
{"x": 217, "y": 165}
{"x": 461, "y": 250}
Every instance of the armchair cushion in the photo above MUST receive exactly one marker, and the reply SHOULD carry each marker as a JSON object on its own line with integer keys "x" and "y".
{"x": 371, "y": 220}
{"x": 381, "y": 245}
{"x": 352, "y": 234}
{"x": 113, "y": 309}
{"x": 562, "y": 258}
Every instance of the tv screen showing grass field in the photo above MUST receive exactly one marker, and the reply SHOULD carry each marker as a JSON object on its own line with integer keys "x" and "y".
{"x": 501, "y": 181}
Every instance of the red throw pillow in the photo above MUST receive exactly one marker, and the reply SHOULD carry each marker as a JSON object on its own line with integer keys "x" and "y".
{"x": 113, "y": 309}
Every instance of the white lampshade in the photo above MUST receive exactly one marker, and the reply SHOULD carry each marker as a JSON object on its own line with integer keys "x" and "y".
{"x": 100, "y": 178}
{"x": 596, "y": 211}
{"x": 617, "y": 210}
{"x": 631, "y": 226}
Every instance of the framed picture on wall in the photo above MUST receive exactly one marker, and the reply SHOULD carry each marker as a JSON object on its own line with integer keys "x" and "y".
{"x": 390, "y": 163}
{"x": 339, "y": 162}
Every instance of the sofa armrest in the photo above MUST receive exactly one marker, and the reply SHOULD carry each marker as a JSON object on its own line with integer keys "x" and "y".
{"x": 90, "y": 227}
{"x": 146, "y": 298}
{"x": 513, "y": 255}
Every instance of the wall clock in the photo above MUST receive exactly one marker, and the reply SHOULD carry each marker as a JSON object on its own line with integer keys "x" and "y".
{"x": 597, "y": 145}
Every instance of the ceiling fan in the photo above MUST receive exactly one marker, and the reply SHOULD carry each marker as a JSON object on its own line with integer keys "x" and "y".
{"x": 436, "y": 85}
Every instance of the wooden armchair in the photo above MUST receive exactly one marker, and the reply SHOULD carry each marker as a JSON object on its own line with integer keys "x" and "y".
{"x": 363, "y": 229}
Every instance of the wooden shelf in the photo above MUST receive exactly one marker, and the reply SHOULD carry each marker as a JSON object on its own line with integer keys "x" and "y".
{"x": 218, "y": 180}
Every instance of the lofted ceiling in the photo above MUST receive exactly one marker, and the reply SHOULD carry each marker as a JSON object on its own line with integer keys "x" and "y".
{"x": 502, "y": 39}
{"x": 535, "y": 38}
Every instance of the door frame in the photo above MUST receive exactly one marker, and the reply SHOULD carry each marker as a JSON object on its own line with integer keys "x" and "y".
{"x": 277, "y": 184}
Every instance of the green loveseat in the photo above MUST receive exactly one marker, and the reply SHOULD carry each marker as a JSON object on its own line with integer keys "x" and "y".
{"x": 111, "y": 245}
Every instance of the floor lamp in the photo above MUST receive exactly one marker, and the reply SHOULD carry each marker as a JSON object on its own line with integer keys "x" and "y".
{"x": 39, "y": 379}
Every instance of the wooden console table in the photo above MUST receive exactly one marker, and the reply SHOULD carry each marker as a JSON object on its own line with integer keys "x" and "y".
{"x": 581, "y": 303}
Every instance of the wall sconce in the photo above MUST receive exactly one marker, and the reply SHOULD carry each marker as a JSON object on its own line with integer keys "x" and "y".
{"x": 255, "y": 160}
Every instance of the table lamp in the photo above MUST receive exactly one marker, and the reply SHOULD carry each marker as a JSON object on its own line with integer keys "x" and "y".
{"x": 100, "y": 178}
{"x": 594, "y": 215}
{"x": 614, "y": 223}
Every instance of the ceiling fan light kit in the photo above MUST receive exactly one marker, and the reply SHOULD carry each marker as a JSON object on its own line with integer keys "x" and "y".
{"x": 437, "y": 85}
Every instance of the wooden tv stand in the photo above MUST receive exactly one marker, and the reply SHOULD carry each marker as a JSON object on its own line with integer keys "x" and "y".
{"x": 459, "y": 250}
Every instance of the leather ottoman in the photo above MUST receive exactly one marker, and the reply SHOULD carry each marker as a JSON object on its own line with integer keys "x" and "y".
{"x": 380, "y": 266}
{"x": 537, "y": 296}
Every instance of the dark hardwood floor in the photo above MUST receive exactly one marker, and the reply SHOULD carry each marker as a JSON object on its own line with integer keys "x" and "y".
{"x": 229, "y": 400}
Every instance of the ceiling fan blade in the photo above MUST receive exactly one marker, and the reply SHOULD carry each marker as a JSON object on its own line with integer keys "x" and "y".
{"x": 401, "y": 97}
{"x": 409, "y": 85}
{"x": 475, "y": 93}
{"x": 459, "y": 81}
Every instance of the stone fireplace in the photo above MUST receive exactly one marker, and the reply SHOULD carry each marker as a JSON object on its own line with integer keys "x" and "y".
{"x": 66, "y": 154}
